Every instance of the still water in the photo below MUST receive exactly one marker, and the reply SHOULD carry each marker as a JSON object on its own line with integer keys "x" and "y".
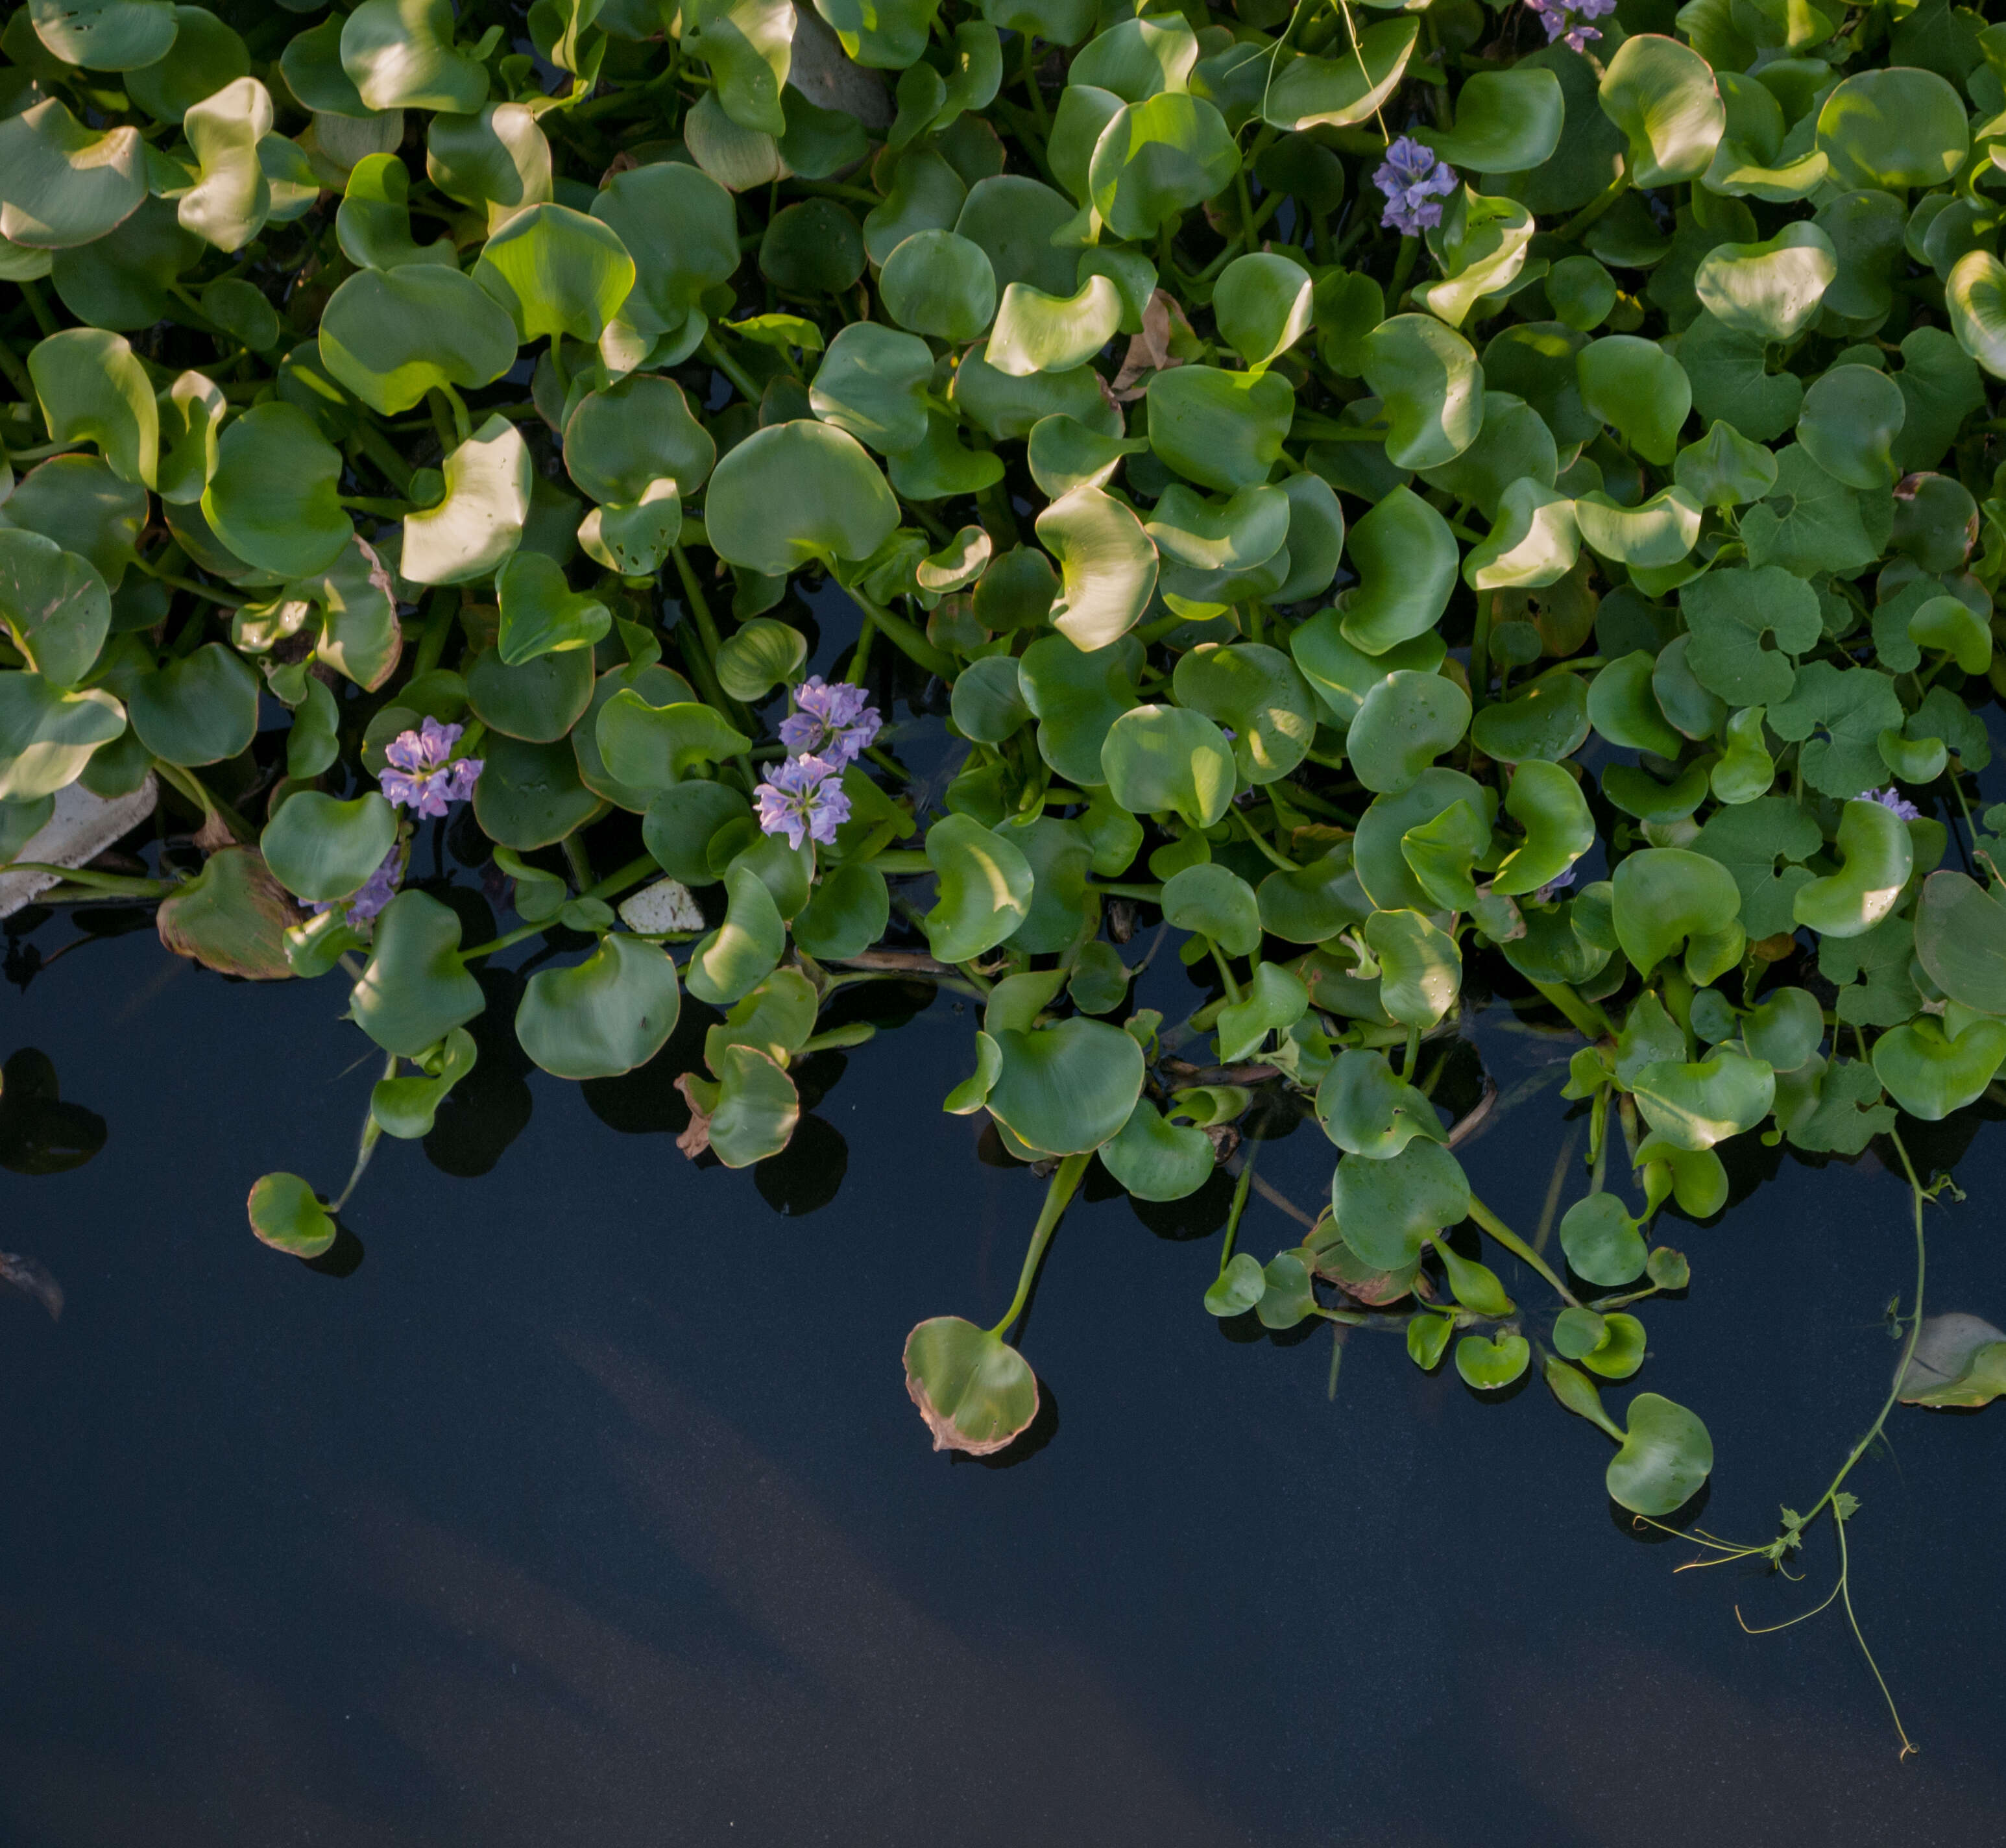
{"x": 589, "y": 1507}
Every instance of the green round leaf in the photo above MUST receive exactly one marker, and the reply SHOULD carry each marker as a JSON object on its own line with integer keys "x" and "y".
{"x": 794, "y": 493}
{"x": 392, "y": 335}
{"x": 400, "y": 55}
{"x": 1929, "y": 1074}
{"x": 1406, "y": 722}
{"x": 1159, "y": 156}
{"x": 287, "y": 1215}
{"x": 541, "y": 614}
{"x": 601, "y": 1017}
{"x": 416, "y": 988}
{"x": 1067, "y": 1088}
{"x": 1876, "y": 856}
{"x": 47, "y": 735}
{"x": 975, "y": 1395}
{"x": 1486, "y": 1365}
{"x": 1107, "y": 566}
{"x": 1665, "y": 894}
{"x": 273, "y": 498}
{"x": 938, "y": 282}
{"x": 1666, "y": 1456}
{"x": 1603, "y": 1243}
{"x": 1405, "y": 558}
{"x": 66, "y": 185}
{"x": 530, "y": 796}
{"x": 1223, "y": 430}
{"x": 1427, "y": 376}
{"x": 199, "y": 709}
{"x": 1166, "y": 758}
{"x": 488, "y": 480}
{"x": 1663, "y": 95}
{"x": 54, "y": 606}
{"x": 1154, "y": 1160}
{"x": 984, "y": 889}
{"x": 1771, "y": 290}
{"x": 813, "y": 248}
{"x": 872, "y": 384}
{"x": 1388, "y": 1210}
{"x": 322, "y": 850}
{"x": 1216, "y": 903}
{"x": 1893, "y": 129}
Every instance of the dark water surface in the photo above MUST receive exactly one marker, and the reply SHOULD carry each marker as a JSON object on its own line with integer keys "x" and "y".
{"x": 591, "y": 1509}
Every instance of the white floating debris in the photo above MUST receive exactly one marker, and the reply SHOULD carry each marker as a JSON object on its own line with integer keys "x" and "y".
{"x": 80, "y": 828}
{"x": 668, "y": 905}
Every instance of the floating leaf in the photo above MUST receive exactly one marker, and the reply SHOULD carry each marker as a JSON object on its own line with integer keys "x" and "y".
{"x": 601, "y": 1017}
{"x": 287, "y": 1215}
{"x": 1067, "y": 1088}
{"x": 976, "y": 1395}
{"x": 416, "y": 989}
{"x": 321, "y": 849}
{"x": 1958, "y": 1360}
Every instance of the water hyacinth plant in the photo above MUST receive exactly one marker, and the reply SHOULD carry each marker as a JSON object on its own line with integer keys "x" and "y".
{"x": 1414, "y": 498}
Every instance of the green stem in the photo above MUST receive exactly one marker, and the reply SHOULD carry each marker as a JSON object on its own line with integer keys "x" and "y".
{"x": 1032, "y": 90}
{"x": 1149, "y": 895}
{"x": 1239, "y": 1190}
{"x": 618, "y": 881}
{"x": 197, "y": 792}
{"x": 438, "y": 631}
{"x": 906, "y": 636}
{"x": 106, "y": 882}
{"x": 380, "y": 450}
{"x": 1596, "y": 206}
{"x": 1058, "y": 1192}
{"x": 1274, "y": 854}
{"x": 17, "y": 373}
{"x": 1225, "y": 971}
{"x": 221, "y": 601}
{"x": 1845, "y": 1597}
{"x": 1587, "y": 1015}
{"x": 517, "y": 935}
{"x": 1908, "y": 1347}
{"x": 1518, "y": 1248}
{"x": 731, "y": 368}
{"x": 1479, "y": 648}
{"x": 38, "y": 305}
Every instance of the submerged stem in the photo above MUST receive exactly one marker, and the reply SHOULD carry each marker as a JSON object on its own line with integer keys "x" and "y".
{"x": 1058, "y": 1191}
{"x": 1517, "y": 1247}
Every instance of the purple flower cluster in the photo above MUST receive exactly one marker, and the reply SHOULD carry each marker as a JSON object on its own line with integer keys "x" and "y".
{"x": 829, "y": 722}
{"x": 1569, "y": 19}
{"x": 1892, "y": 798}
{"x": 420, "y": 779}
{"x": 803, "y": 797}
{"x": 1415, "y": 180}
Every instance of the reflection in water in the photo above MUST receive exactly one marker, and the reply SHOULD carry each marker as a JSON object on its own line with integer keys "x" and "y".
{"x": 489, "y": 1107}
{"x": 39, "y": 1133}
{"x": 31, "y": 1277}
{"x": 807, "y": 1173}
